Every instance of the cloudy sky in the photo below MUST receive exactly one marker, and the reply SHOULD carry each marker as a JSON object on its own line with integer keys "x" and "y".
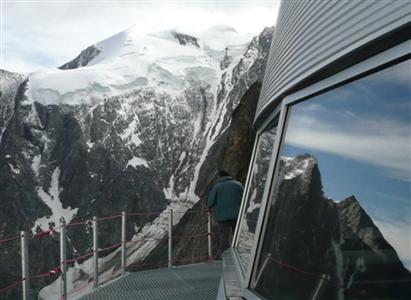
{"x": 42, "y": 34}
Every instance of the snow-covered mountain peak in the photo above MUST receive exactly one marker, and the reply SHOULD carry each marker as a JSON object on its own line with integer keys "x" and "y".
{"x": 214, "y": 40}
{"x": 168, "y": 61}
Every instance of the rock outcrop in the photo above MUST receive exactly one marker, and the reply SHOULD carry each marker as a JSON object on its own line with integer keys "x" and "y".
{"x": 82, "y": 59}
{"x": 310, "y": 235}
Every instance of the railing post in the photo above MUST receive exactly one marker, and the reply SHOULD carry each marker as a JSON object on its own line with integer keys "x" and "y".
{"x": 63, "y": 261}
{"x": 170, "y": 238}
{"x": 321, "y": 286}
{"x": 210, "y": 257}
{"x": 25, "y": 265}
{"x": 95, "y": 252}
{"x": 123, "y": 243}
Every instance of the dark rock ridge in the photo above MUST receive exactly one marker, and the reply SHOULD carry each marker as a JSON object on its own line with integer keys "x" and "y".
{"x": 82, "y": 59}
{"x": 185, "y": 39}
{"x": 9, "y": 84}
{"x": 316, "y": 235}
{"x": 226, "y": 60}
{"x": 137, "y": 151}
{"x": 255, "y": 74}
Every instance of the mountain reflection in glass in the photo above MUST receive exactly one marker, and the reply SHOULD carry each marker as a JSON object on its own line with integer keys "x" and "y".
{"x": 255, "y": 192}
{"x": 340, "y": 221}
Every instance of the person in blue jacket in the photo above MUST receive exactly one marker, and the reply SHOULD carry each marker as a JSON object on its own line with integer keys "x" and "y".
{"x": 225, "y": 199}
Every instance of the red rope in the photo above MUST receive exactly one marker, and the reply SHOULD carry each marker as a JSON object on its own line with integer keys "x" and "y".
{"x": 108, "y": 218}
{"x": 9, "y": 287}
{"x": 12, "y": 238}
{"x": 42, "y": 234}
{"x": 110, "y": 247}
{"x": 300, "y": 271}
{"x": 45, "y": 233}
{"x": 294, "y": 269}
{"x": 52, "y": 272}
{"x": 74, "y": 259}
{"x": 78, "y": 223}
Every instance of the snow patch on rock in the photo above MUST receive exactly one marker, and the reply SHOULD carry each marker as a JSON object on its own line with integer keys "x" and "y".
{"x": 14, "y": 170}
{"x": 137, "y": 161}
{"x": 298, "y": 168}
{"x": 35, "y": 165}
{"x": 52, "y": 200}
{"x": 130, "y": 134}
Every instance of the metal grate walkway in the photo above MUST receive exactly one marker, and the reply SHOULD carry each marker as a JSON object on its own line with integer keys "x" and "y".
{"x": 192, "y": 282}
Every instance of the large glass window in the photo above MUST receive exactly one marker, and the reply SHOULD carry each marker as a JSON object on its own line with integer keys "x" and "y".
{"x": 339, "y": 224}
{"x": 255, "y": 192}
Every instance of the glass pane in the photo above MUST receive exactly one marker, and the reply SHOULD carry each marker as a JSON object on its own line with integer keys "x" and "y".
{"x": 258, "y": 178}
{"x": 340, "y": 221}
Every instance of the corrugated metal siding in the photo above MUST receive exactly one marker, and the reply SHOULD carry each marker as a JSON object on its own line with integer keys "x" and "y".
{"x": 312, "y": 34}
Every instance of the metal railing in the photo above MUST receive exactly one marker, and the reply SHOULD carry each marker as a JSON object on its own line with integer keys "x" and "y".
{"x": 61, "y": 268}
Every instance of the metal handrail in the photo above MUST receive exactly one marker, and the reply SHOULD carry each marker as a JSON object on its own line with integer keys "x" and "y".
{"x": 61, "y": 269}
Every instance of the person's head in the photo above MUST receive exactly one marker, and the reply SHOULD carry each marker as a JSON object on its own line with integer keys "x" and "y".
{"x": 223, "y": 173}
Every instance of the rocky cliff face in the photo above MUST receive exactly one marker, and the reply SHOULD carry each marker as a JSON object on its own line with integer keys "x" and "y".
{"x": 311, "y": 234}
{"x": 369, "y": 262}
{"x": 9, "y": 84}
{"x": 132, "y": 130}
{"x": 82, "y": 59}
{"x": 232, "y": 152}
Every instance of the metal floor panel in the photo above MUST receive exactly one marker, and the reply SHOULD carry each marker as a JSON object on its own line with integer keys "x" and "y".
{"x": 194, "y": 282}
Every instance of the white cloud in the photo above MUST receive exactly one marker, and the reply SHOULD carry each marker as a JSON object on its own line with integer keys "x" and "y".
{"x": 381, "y": 142}
{"x": 38, "y": 34}
{"x": 398, "y": 234}
{"x": 397, "y": 74}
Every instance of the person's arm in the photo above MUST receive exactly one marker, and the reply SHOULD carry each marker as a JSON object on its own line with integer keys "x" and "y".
{"x": 211, "y": 201}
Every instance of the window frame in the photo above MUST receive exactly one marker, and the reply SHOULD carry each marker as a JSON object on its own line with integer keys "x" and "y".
{"x": 237, "y": 260}
{"x": 392, "y": 56}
